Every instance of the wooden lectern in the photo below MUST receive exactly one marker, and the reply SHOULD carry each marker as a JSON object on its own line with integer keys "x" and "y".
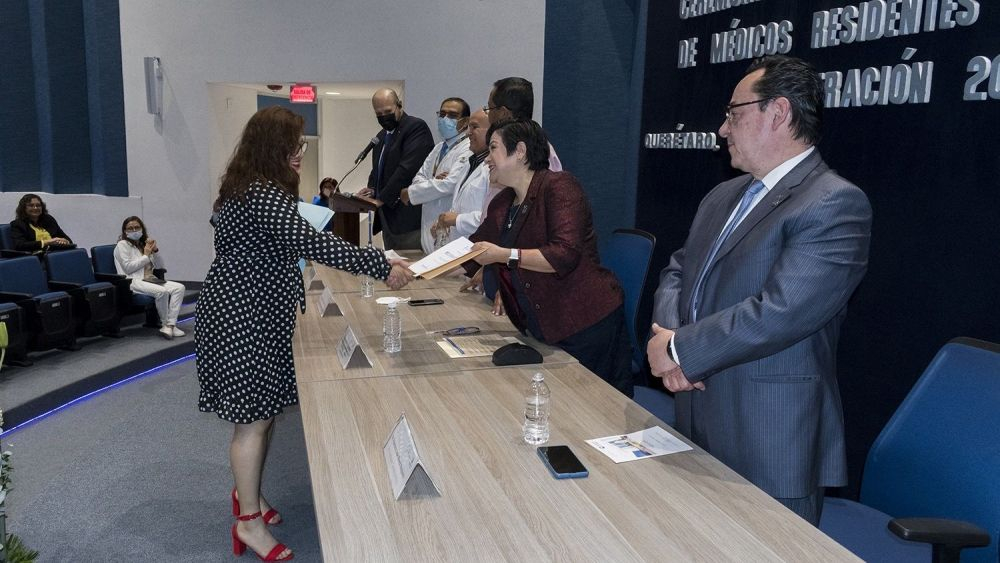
{"x": 346, "y": 207}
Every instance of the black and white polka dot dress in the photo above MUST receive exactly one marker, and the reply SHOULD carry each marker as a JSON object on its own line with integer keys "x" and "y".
{"x": 246, "y": 310}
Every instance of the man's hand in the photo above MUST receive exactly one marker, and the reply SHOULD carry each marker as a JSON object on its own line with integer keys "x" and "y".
{"x": 445, "y": 221}
{"x": 404, "y": 196}
{"x": 366, "y": 192}
{"x": 475, "y": 283}
{"x": 661, "y": 364}
{"x": 441, "y": 175}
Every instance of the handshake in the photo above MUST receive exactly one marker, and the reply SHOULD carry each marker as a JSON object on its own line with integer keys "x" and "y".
{"x": 399, "y": 275}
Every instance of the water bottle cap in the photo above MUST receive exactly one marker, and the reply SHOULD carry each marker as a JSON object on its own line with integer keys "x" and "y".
{"x": 538, "y": 377}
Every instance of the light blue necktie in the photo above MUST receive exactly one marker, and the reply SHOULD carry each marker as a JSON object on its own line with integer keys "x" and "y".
{"x": 741, "y": 210}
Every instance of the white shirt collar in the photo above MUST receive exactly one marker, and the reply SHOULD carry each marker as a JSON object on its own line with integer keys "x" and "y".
{"x": 780, "y": 171}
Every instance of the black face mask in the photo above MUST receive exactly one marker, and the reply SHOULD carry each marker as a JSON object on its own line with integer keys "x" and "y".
{"x": 388, "y": 122}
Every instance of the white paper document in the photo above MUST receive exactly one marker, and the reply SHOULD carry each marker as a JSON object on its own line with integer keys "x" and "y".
{"x": 447, "y": 253}
{"x": 651, "y": 442}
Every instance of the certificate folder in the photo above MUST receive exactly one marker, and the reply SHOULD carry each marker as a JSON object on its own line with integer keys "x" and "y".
{"x": 445, "y": 259}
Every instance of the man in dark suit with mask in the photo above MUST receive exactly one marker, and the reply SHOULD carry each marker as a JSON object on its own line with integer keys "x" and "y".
{"x": 405, "y": 141}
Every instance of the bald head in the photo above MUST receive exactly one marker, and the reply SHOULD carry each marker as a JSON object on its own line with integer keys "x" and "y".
{"x": 479, "y": 124}
{"x": 386, "y": 102}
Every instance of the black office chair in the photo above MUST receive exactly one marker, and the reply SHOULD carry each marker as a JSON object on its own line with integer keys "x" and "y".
{"x": 94, "y": 301}
{"x": 49, "y": 314}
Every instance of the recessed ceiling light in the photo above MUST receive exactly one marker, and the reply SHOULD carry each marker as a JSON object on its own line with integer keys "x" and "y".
{"x": 333, "y": 93}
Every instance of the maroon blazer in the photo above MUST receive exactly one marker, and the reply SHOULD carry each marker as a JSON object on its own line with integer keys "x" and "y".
{"x": 554, "y": 218}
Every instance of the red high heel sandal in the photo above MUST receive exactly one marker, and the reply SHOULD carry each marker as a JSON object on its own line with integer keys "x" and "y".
{"x": 239, "y": 546}
{"x": 269, "y": 517}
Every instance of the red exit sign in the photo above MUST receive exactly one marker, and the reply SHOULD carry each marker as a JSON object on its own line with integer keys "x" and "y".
{"x": 302, "y": 94}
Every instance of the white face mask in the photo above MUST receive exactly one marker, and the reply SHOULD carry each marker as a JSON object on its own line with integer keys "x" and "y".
{"x": 134, "y": 235}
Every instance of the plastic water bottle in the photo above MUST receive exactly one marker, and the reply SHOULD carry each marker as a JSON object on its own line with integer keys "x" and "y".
{"x": 392, "y": 329}
{"x": 367, "y": 286}
{"x": 537, "y": 406}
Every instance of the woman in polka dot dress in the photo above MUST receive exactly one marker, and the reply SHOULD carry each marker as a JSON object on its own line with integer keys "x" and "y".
{"x": 246, "y": 309}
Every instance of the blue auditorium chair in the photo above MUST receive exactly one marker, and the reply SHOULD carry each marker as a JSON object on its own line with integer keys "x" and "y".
{"x": 7, "y": 243}
{"x": 49, "y": 314}
{"x": 17, "y": 335}
{"x": 933, "y": 474}
{"x": 627, "y": 253}
{"x": 129, "y": 303}
{"x": 94, "y": 300}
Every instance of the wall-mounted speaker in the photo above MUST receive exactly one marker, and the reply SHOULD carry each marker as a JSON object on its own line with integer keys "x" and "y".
{"x": 154, "y": 85}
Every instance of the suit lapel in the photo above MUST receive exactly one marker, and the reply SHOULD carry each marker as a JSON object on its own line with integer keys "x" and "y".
{"x": 714, "y": 225}
{"x": 780, "y": 194}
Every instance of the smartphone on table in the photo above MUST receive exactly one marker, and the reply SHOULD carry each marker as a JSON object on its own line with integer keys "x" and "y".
{"x": 562, "y": 462}
{"x": 419, "y": 302}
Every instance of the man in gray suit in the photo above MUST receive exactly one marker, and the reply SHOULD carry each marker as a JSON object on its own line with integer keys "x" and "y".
{"x": 748, "y": 312}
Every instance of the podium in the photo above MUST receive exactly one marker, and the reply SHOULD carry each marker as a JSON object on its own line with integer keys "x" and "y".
{"x": 346, "y": 222}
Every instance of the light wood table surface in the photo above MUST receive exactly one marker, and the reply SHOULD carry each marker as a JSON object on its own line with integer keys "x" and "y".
{"x": 497, "y": 500}
{"x": 316, "y": 337}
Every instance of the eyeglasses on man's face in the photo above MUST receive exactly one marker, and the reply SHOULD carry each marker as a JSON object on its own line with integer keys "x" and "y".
{"x": 488, "y": 109}
{"x": 451, "y": 114}
{"x": 731, "y": 107}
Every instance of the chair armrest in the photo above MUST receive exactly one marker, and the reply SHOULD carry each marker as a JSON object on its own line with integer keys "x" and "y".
{"x": 11, "y": 297}
{"x": 113, "y": 278}
{"x": 6, "y": 253}
{"x": 947, "y": 536}
{"x": 63, "y": 286}
{"x": 160, "y": 273}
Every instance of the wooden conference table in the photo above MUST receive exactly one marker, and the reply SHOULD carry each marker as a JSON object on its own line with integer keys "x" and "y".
{"x": 497, "y": 500}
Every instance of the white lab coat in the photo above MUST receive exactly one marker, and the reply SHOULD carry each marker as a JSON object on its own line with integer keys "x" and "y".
{"x": 435, "y": 196}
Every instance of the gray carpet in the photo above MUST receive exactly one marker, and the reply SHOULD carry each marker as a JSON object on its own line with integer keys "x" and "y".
{"x": 139, "y": 474}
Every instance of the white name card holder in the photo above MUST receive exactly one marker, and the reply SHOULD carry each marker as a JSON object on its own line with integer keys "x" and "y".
{"x": 407, "y": 474}
{"x": 328, "y": 304}
{"x": 350, "y": 354}
{"x": 311, "y": 281}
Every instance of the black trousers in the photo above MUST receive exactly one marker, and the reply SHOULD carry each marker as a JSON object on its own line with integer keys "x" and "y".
{"x": 604, "y": 349}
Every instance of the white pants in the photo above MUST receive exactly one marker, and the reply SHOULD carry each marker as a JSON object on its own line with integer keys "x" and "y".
{"x": 168, "y": 298}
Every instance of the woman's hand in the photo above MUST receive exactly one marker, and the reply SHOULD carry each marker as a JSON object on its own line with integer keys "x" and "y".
{"x": 498, "y": 306}
{"x": 399, "y": 275}
{"x": 475, "y": 283}
{"x": 494, "y": 254}
{"x": 150, "y": 247}
{"x": 56, "y": 240}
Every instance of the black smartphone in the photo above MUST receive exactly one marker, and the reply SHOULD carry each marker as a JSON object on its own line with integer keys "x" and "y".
{"x": 419, "y": 302}
{"x": 562, "y": 462}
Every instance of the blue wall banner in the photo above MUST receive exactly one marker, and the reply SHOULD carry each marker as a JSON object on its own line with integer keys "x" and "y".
{"x": 912, "y": 96}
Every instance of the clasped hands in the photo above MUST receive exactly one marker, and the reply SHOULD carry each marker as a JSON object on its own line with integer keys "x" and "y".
{"x": 399, "y": 274}
{"x": 665, "y": 368}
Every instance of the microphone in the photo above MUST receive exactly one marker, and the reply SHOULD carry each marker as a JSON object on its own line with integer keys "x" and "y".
{"x": 371, "y": 145}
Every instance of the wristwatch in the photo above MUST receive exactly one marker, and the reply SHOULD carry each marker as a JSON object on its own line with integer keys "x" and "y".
{"x": 514, "y": 260}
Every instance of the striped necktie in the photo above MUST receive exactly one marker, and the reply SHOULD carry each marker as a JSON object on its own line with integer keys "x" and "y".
{"x": 741, "y": 211}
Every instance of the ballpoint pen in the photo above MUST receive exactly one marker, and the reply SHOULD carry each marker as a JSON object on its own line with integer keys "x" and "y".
{"x": 455, "y": 346}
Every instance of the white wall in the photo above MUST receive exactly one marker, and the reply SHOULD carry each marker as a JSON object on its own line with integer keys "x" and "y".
{"x": 346, "y": 127}
{"x": 440, "y": 49}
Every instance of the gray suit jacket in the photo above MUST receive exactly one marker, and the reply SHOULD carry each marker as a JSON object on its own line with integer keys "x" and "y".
{"x": 765, "y": 342}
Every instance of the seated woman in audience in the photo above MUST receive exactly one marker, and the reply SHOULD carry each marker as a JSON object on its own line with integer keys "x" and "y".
{"x": 135, "y": 258}
{"x": 34, "y": 229}
{"x": 539, "y": 239}
{"x": 326, "y": 189}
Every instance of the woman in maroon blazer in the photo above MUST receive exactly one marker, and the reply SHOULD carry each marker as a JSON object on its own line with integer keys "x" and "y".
{"x": 539, "y": 239}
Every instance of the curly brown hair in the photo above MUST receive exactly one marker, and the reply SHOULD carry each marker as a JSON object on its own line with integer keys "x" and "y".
{"x": 22, "y": 207}
{"x": 269, "y": 139}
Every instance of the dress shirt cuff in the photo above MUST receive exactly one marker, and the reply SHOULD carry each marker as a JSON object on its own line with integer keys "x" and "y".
{"x": 672, "y": 351}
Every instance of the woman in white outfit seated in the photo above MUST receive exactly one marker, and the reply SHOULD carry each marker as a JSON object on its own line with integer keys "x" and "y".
{"x": 135, "y": 257}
